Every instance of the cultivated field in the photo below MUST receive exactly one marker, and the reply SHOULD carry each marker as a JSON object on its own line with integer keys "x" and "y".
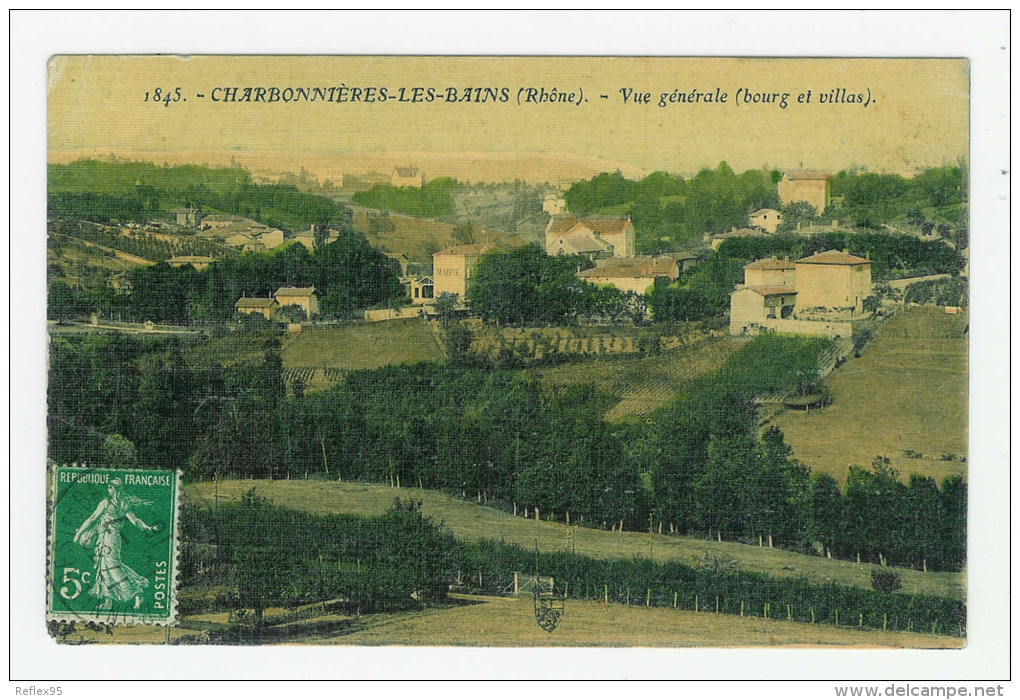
{"x": 320, "y": 356}
{"x": 905, "y": 398}
{"x": 646, "y": 383}
{"x": 471, "y": 522}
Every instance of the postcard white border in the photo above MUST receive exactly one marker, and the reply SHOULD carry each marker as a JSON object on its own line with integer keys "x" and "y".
{"x": 981, "y": 37}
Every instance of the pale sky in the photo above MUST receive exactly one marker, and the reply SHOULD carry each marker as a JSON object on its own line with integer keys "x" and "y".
{"x": 917, "y": 116}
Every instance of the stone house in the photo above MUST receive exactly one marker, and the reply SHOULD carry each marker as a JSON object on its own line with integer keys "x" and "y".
{"x": 811, "y": 186}
{"x": 186, "y": 216}
{"x": 594, "y": 236}
{"x": 257, "y": 305}
{"x": 305, "y": 297}
{"x": 407, "y": 177}
{"x": 636, "y": 274}
{"x": 767, "y": 220}
{"x": 833, "y": 280}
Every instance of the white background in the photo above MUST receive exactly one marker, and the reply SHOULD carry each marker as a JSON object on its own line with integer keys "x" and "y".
{"x": 981, "y": 37}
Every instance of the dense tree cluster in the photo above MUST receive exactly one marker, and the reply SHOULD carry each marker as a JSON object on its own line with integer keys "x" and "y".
{"x": 347, "y": 273}
{"x": 429, "y": 201}
{"x": 278, "y": 556}
{"x": 526, "y": 286}
{"x": 668, "y": 210}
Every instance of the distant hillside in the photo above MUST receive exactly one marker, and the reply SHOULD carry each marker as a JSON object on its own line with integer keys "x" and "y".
{"x": 105, "y": 191}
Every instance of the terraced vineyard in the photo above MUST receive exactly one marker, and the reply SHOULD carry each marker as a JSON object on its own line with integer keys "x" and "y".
{"x": 646, "y": 383}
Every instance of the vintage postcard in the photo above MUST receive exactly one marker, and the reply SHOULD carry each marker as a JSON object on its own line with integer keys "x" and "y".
{"x": 508, "y": 351}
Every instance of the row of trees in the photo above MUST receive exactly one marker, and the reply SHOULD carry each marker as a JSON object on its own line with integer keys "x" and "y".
{"x": 700, "y": 465}
{"x": 270, "y": 555}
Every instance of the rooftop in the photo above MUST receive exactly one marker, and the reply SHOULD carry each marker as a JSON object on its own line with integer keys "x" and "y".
{"x": 254, "y": 303}
{"x": 602, "y": 224}
{"x": 833, "y": 257}
{"x": 295, "y": 292}
{"x": 770, "y": 264}
{"x": 641, "y": 266}
{"x": 807, "y": 175}
{"x": 769, "y": 290}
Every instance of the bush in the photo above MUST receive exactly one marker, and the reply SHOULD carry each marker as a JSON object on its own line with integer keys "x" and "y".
{"x": 885, "y": 581}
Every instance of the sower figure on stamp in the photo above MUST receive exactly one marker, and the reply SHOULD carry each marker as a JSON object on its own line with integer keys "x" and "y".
{"x": 114, "y": 580}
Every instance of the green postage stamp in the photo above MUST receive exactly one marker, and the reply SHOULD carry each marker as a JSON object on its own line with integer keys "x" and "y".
{"x": 113, "y": 545}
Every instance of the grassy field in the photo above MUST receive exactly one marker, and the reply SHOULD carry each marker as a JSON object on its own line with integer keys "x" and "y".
{"x": 324, "y": 354}
{"x": 471, "y": 522}
{"x": 905, "y": 395}
{"x": 510, "y": 622}
{"x": 647, "y": 383}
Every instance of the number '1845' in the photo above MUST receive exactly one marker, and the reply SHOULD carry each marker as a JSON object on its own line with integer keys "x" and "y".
{"x": 164, "y": 96}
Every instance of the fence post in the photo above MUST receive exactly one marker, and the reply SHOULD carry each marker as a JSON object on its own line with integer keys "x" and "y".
{"x": 696, "y": 603}
{"x": 536, "y": 514}
{"x": 741, "y": 608}
{"x": 837, "y": 617}
{"x": 885, "y": 621}
{"x": 648, "y": 597}
{"x": 765, "y": 612}
{"x": 515, "y": 510}
{"x": 789, "y": 613}
{"x": 860, "y": 620}
{"x": 674, "y": 599}
{"x": 605, "y": 592}
{"x": 515, "y": 583}
{"x": 628, "y": 596}
{"x": 812, "y": 616}
{"x": 717, "y": 605}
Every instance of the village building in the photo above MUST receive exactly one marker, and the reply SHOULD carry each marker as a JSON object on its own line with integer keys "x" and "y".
{"x": 215, "y": 221}
{"x": 811, "y": 186}
{"x": 186, "y": 216}
{"x": 257, "y": 305}
{"x": 305, "y": 297}
{"x": 833, "y": 280}
{"x": 816, "y": 295}
{"x": 407, "y": 177}
{"x": 767, "y": 220}
{"x": 199, "y": 262}
{"x": 256, "y": 240}
{"x": 592, "y": 236}
{"x": 756, "y": 305}
{"x": 452, "y": 268}
{"x": 636, "y": 274}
